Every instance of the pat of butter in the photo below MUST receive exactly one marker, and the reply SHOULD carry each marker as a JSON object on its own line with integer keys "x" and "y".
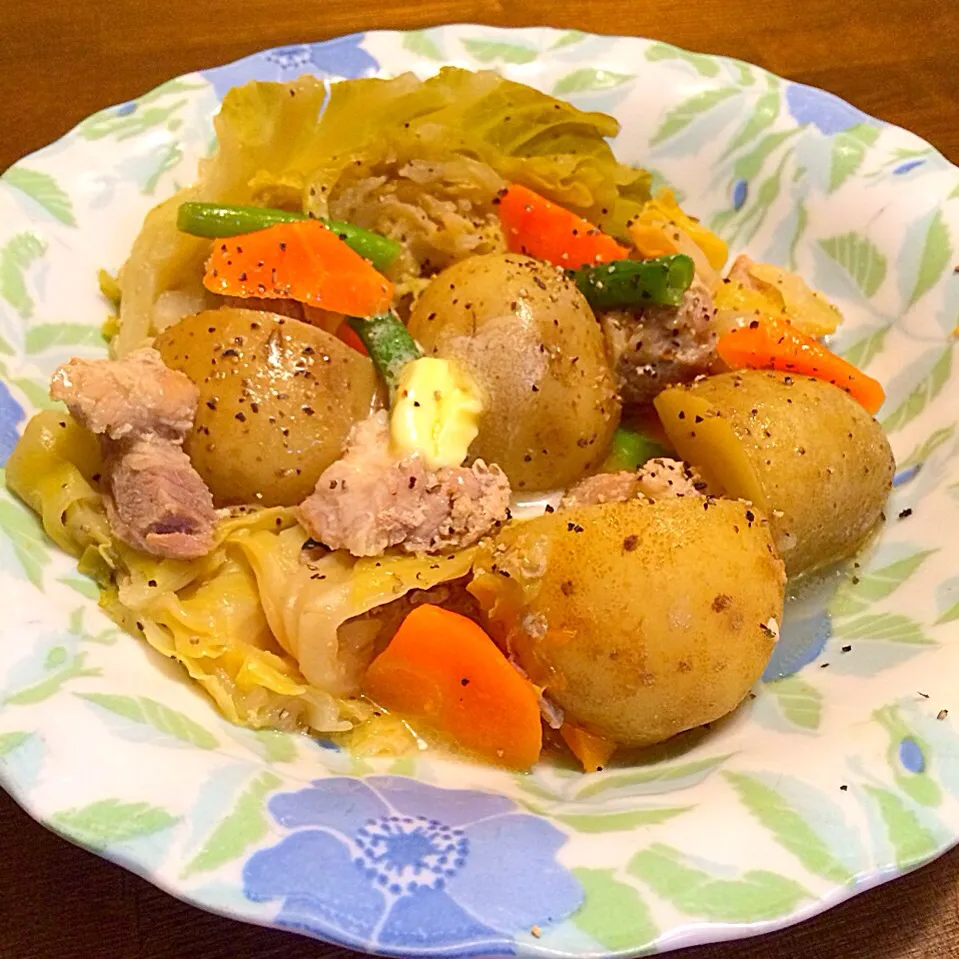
{"x": 435, "y": 412}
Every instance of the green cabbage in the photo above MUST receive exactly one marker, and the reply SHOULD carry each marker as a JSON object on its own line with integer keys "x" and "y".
{"x": 278, "y": 146}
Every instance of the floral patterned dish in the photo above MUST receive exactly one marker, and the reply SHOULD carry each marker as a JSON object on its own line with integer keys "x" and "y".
{"x": 841, "y": 773}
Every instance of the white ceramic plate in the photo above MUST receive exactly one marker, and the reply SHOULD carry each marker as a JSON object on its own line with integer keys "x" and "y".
{"x": 837, "y": 776}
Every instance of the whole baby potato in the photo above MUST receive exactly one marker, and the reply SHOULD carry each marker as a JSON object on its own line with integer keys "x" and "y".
{"x": 800, "y": 448}
{"x": 640, "y": 620}
{"x": 530, "y": 340}
{"x": 277, "y": 400}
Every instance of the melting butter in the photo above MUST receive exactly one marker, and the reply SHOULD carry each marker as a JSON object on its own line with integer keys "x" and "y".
{"x": 435, "y": 412}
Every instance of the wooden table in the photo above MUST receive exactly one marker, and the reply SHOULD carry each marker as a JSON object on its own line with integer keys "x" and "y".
{"x": 60, "y": 61}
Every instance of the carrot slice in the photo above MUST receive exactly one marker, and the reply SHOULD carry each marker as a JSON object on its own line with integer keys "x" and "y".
{"x": 775, "y": 344}
{"x": 442, "y": 669}
{"x": 538, "y": 227}
{"x": 303, "y": 261}
{"x": 592, "y": 751}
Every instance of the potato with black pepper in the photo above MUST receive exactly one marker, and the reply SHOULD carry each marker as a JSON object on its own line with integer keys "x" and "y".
{"x": 800, "y": 448}
{"x": 277, "y": 400}
{"x": 530, "y": 340}
{"x": 640, "y": 619}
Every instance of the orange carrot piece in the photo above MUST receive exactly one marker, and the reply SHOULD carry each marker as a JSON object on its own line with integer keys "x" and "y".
{"x": 592, "y": 751}
{"x": 442, "y": 670}
{"x": 772, "y": 343}
{"x": 302, "y": 260}
{"x": 540, "y": 228}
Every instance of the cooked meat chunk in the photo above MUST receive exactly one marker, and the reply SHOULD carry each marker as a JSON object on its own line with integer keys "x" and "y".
{"x": 654, "y": 347}
{"x": 658, "y": 479}
{"x": 368, "y": 501}
{"x": 142, "y": 410}
{"x": 157, "y": 502}
{"x": 133, "y": 396}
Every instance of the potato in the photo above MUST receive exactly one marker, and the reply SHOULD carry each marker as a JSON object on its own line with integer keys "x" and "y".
{"x": 800, "y": 448}
{"x": 530, "y": 340}
{"x": 641, "y": 620}
{"x": 277, "y": 399}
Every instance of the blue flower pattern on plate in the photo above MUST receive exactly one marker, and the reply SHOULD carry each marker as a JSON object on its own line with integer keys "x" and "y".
{"x": 11, "y": 414}
{"x": 340, "y": 57}
{"x": 410, "y": 867}
{"x": 823, "y": 110}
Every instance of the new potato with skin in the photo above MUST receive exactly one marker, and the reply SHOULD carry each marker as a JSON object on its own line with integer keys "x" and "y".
{"x": 529, "y": 339}
{"x": 799, "y": 447}
{"x": 278, "y": 398}
{"x": 640, "y": 619}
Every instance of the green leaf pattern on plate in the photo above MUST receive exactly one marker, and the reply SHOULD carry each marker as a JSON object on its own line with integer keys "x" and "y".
{"x": 920, "y": 785}
{"x": 43, "y": 690}
{"x": 789, "y": 827}
{"x": 925, "y": 450}
{"x": 860, "y": 258}
{"x": 46, "y": 336}
{"x": 30, "y": 544}
{"x": 110, "y": 821}
{"x": 799, "y": 702}
{"x": 884, "y": 627}
{"x": 568, "y": 39}
{"x": 705, "y": 66}
{"x": 757, "y": 895}
{"x": 613, "y": 913}
{"x": 763, "y": 116}
{"x": 912, "y": 842}
{"x": 146, "y": 711}
{"x": 657, "y": 779}
{"x": 926, "y": 390}
{"x": 679, "y": 118}
{"x": 863, "y": 351}
{"x": 848, "y": 152}
{"x": 937, "y": 253}
{"x": 855, "y": 597}
{"x": 589, "y": 79}
{"x": 243, "y": 827}
{"x": 11, "y": 741}
{"x": 44, "y": 190}
{"x": 17, "y": 255}
{"x": 422, "y": 44}
{"x": 492, "y": 51}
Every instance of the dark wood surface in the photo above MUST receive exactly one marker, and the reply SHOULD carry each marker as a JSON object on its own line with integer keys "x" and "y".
{"x": 60, "y": 61}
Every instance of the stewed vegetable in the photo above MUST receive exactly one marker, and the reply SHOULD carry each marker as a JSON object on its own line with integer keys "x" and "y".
{"x": 217, "y": 220}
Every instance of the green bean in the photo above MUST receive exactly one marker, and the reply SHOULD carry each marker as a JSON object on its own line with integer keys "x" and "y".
{"x": 389, "y": 344}
{"x": 661, "y": 281}
{"x": 222, "y": 220}
{"x": 630, "y": 450}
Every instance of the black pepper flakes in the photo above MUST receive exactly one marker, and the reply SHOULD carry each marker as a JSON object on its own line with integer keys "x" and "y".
{"x": 906, "y": 513}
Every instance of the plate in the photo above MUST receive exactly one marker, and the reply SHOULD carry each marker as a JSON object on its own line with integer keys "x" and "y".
{"x": 842, "y": 772}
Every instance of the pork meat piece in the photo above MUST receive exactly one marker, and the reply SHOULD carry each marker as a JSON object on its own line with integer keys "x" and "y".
{"x": 657, "y": 479}
{"x": 130, "y": 397}
{"x": 157, "y": 501}
{"x": 656, "y": 346}
{"x": 367, "y": 501}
